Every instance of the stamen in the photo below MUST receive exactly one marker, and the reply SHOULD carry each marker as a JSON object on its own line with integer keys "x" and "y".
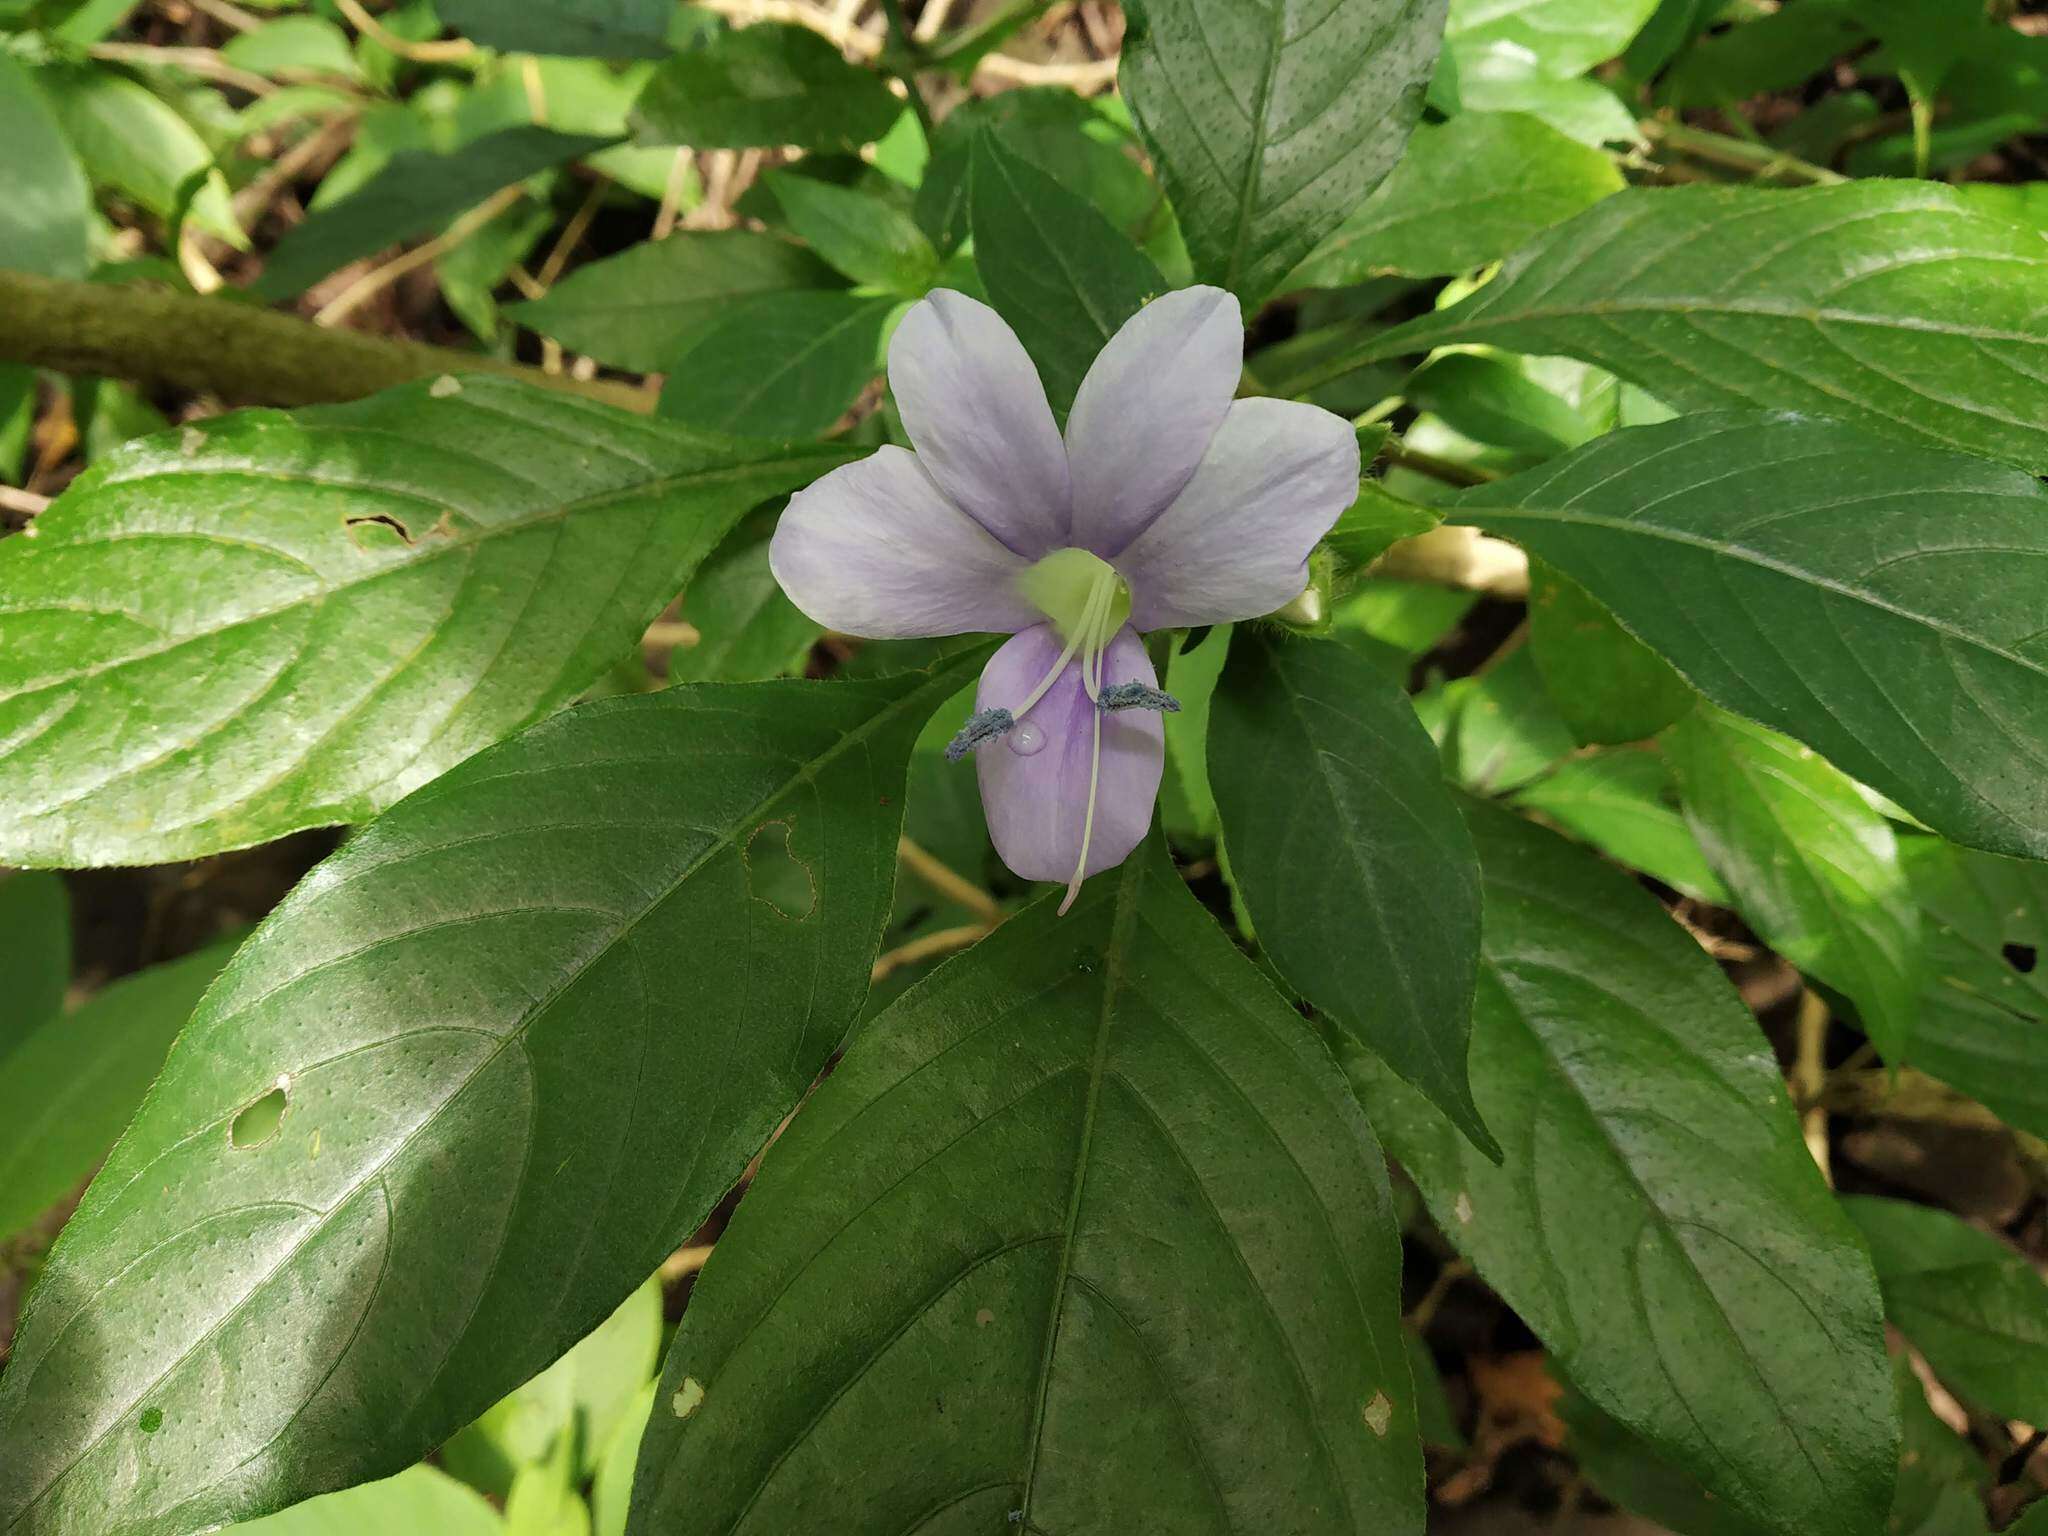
{"x": 1087, "y": 825}
{"x": 980, "y": 729}
{"x": 1135, "y": 695}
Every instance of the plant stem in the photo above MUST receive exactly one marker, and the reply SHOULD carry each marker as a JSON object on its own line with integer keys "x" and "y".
{"x": 243, "y": 354}
{"x": 949, "y": 883}
{"x": 1737, "y": 154}
{"x": 901, "y": 59}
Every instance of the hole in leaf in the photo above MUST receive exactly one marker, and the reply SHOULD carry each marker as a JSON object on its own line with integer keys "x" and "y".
{"x": 259, "y": 1122}
{"x": 689, "y": 1397}
{"x": 777, "y": 876}
{"x": 152, "y": 1420}
{"x": 2020, "y": 957}
{"x": 375, "y": 529}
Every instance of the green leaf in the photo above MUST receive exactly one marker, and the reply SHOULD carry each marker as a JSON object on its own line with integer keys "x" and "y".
{"x": 132, "y": 143}
{"x": 1983, "y": 1025}
{"x": 762, "y": 86}
{"x": 1875, "y": 599}
{"x": 1501, "y": 728}
{"x": 1897, "y": 306}
{"x": 311, "y": 44}
{"x": 416, "y": 193}
{"x": 1977, "y": 1309}
{"x": 785, "y": 365}
{"x": 647, "y": 306}
{"x": 35, "y": 959}
{"x": 870, "y": 240}
{"x": 69, "y": 1089}
{"x": 524, "y": 1031}
{"x": 1629, "y": 1474}
{"x": 1625, "y": 804}
{"x": 585, "y": 1396}
{"x": 597, "y": 29}
{"x": 1051, "y": 129}
{"x": 1608, "y": 685}
{"x": 419, "y": 1499}
{"x": 1499, "y": 77}
{"x": 1564, "y": 37}
{"x": 1152, "y": 1285}
{"x": 280, "y": 620}
{"x": 1814, "y": 869}
{"x": 1054, "y": 267}
{"x": 747, "y": 630}
{"x": 1269, "y": 127}
{"x": 1349, "y": 852}
{"x": 46, "y": 215}
{"x": 1465, "y": 193}
{"x": 612, "y": 1490}
{"x": 1492, "y": 401}
{"x": 1658, "y": 1221}
{"x": 1374, "y": 523}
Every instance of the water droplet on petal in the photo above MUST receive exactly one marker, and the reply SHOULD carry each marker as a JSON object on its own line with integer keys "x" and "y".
{"x": 1027, "y": 739}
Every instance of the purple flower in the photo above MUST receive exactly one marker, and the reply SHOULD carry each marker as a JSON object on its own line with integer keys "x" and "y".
{"x": 1168, "y": 503}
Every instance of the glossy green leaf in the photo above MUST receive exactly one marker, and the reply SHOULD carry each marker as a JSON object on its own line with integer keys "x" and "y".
{"x": 1894, "y": 305}
{"x": 1815, "y": 871}
{"x": 1152, "y": 1285}
{"x": 868, "y": 239}
{"x": 284, "y": 620}
{"x": 1983, "y": 1025}
{"x": 1055, "y": 268}
{"x": 783, "y": 366}
{"x": 133, "y": 144}
{"x": 585, "y": 1396}
{"x": 525, "y": 1030}
{"x": 1500, "y": 729}
{"x": 1491, "y": 401}
{"x": 417, "y": 193}
{"x": 761, "y": 86}
{"x": 418, "y": 1501}
{"x": 1608, "y": 685}
{"x": 1628, "y": 1473}
{"x": 1976, "y": 1308}
{"x": 35, "y": 957}
{"x": 1270, "y": 127}
{"x": 1467, "y": 192}
{"x": 598, "y": 29}
{"x": 1625, "y": 804}
{"x": 747, "y": 631}
{"x": 645, "y": 307}
{"x": 1875, "y": 599}
{"x": 68, "y": 1090}
{"x": 1500, "y": 78}
{"x": 1348, "y": 850}
{"x": 45, "y": 217}
{"x": 1564, "y": 37}
{"x": 1657, "y": 1220}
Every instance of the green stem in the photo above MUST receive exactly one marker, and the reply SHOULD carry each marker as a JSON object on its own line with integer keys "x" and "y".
{"x": 1737, "y": 154}
{"x": 906, "y": 54}
{"x": 234, "y": 350}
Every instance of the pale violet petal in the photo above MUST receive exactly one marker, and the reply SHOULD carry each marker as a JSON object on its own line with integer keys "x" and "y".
{"x": 976, "y": 413}
{"x": 1235, "y": 544}
{"x": 874, "y": 549}
{"x": 1037, "y": 801}
{"x": 1147, "y": 410}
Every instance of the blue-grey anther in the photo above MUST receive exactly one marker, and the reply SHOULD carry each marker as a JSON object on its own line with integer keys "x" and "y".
{"x": 980, "y": 730}
{"x": 1136, "y": 696}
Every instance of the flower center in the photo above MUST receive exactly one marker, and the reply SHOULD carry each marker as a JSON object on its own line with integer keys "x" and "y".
{"x": 1087, "y": 603}
{"x": 1082, "y": 594}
